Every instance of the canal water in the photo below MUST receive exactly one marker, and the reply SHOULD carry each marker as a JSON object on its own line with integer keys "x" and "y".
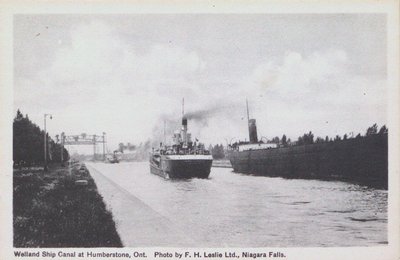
{"x": 236, "y": 210}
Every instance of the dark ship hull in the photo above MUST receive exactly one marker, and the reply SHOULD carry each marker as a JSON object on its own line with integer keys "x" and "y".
{"x": 181, "y": 166}
{"x": 362, "y": 160}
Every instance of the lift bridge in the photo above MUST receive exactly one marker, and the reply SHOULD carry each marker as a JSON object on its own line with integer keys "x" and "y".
{"x": 82, "y": 139}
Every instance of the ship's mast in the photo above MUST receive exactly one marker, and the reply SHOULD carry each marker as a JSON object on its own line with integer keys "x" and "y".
{"x": 183, "y": 107}
{"x": 248, "y": 118}
{"x": 165, "y": 139}
{"x": 247, "y": 106}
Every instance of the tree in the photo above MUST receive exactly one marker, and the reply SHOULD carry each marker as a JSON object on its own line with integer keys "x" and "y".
{"x": 310, "y": 138}
{"x": 337, "y": 138}
{"x": 121, "y": 147}
{"x": 284, "y": 140}
{"x": 218, "y": 152}
{"x": 28, "y": 143}
{"x": 372, "y": 130}
{"x": 19, "y": 116}
{"x": 300, "y": 140}
{"x": 275, "y": 140}
{"x": 306, "y": 139}
{"x": 383, "y": 130}
{"x": 345, "y": 137}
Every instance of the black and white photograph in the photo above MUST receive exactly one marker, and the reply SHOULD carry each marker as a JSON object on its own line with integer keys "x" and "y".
{"x": 187, "y": 133}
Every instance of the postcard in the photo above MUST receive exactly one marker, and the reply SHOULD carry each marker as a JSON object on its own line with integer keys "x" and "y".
{"x": 200, "y": 130}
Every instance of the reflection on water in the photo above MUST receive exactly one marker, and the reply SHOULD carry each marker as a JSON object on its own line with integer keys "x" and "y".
{"x": 231, "y": 209}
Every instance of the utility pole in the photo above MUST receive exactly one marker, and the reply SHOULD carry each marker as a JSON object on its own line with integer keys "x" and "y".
{"x": 165, "y": 138}
{"x": 94, "y": 147}
{"x": 45, "y": 142}
{"x": 248, "y": 117}
{"x": 62, "y": 148}
{"x": 104, "y": 147}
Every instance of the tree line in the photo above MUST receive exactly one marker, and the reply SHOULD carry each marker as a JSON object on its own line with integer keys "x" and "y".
{"x": 28, "y": 144}
{"x": 218, "y": 150}
{"x": 308, "y": 138}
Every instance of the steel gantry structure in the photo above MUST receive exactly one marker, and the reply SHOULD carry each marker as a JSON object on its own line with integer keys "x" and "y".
{"x": 82, "y": 139}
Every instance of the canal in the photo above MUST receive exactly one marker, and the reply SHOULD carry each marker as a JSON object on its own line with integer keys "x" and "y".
{"x": 236, "y": 210}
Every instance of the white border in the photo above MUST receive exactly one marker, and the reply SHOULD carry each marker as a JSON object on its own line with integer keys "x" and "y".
{"x": 389, "y": 7}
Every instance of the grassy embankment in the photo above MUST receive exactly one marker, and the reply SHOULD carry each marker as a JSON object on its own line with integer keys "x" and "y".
{"x": 51, "y": 211}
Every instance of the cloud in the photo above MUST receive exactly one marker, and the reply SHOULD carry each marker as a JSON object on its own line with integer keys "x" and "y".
{"x": 317, "y": 92}
{"x": 97, "y": 80}
{"x": 298, "y": 74}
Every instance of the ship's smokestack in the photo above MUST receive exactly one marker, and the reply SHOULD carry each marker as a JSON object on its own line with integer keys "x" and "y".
{"x": 184, "y": 122}
{"x": 184, "y": 130}
{"x": 253, "y": 131}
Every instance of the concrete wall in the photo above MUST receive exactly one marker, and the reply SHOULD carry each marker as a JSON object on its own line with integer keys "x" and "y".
{"x": 362, "y": 160}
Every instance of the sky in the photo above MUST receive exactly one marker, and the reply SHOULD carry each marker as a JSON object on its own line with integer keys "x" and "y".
{"x": 127, "y": 74}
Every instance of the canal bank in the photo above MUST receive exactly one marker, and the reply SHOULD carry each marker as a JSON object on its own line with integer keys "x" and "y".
{"x": 138, "y": 224}
{"x": 50, "y": 210}
{"x": 221, "y": 164}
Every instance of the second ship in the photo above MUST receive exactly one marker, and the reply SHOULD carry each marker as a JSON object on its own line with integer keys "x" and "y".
{"x": 183, "y": 159}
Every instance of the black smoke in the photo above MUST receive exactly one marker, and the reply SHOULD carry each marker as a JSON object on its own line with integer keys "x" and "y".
{"x": 222, "y": 111}
{"x": 197, "y": 120}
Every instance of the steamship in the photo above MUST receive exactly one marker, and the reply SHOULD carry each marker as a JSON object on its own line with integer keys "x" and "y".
{"x": 183, "y": 159}
{"x": 361, "y": 160}
{"x": 241, "y": 155}
{"x": 250, "y": 157}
